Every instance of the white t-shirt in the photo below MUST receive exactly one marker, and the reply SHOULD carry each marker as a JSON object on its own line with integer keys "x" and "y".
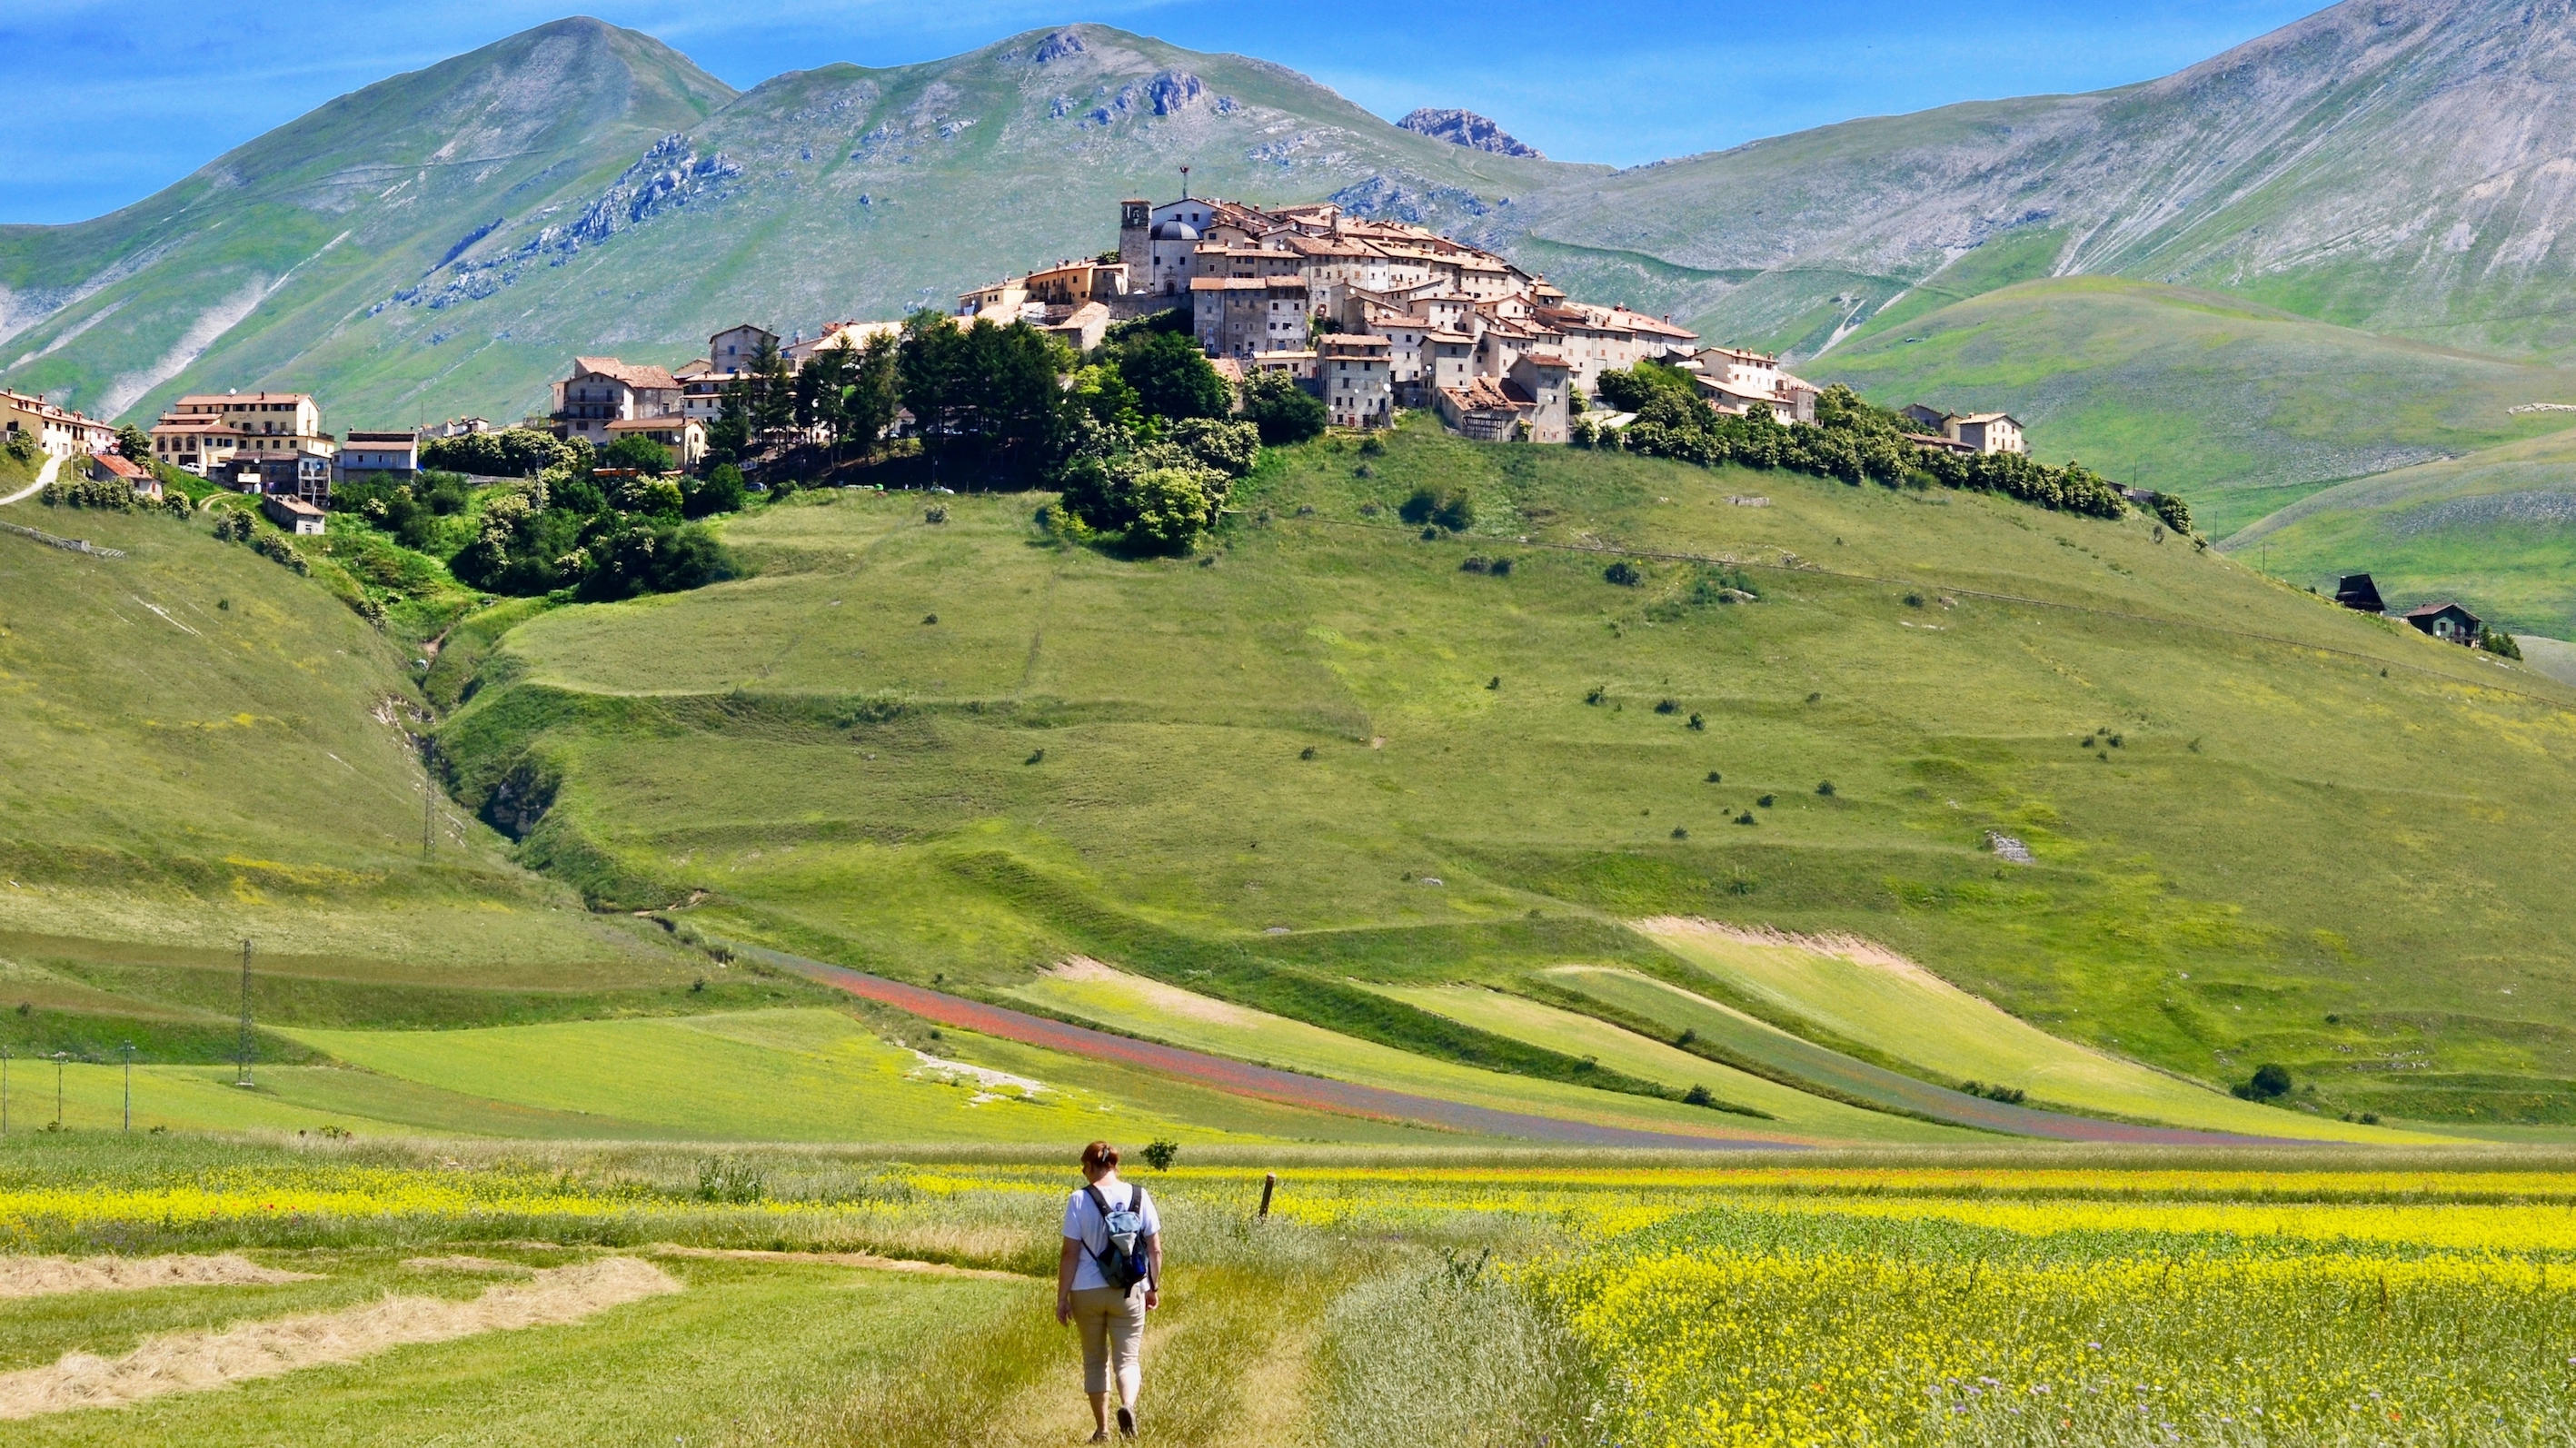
{"x": 1082, "y": 1223}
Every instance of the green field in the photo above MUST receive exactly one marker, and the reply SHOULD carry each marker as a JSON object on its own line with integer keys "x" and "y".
{"x": 2195, "y": 392}
{"x": 1583, "y": 1036}
{"x": 1086, "y": 755}
{"x": 1136, "y": 1006}
{"x": 836, "y": 1296}
{"x": 1900, "y": 1011}
{"x": 2491, "y": 530}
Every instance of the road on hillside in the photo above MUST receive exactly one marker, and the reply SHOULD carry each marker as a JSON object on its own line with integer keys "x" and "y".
{"x": 44, "y": 475}
{"x": 1350, "y": 1099}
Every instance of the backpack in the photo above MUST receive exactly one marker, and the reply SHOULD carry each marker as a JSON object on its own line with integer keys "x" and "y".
{"x": 1125, "y": 1263}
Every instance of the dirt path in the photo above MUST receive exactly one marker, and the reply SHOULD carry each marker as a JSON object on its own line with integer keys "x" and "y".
{"x": 44, "y": 475}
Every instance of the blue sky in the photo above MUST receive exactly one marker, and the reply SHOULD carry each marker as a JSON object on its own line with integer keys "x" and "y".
{"x": 109, "y": 102}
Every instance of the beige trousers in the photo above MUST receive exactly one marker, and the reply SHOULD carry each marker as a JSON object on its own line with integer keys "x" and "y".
{"x": 1112, "y": 1322}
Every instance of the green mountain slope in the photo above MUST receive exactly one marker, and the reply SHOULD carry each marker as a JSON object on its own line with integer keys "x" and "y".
{"x": 2227, "y": 402}
{"x": 2495, "y": 530}
{"x": 198, "y": 746}
{"x": 1328, "y": 753}
{"x": 2392, "y": 165}
{"x": 444, "y": 241}
{"x": 261, "y": 269}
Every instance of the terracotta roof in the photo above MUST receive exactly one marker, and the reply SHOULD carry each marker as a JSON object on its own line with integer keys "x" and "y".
{"x": 1227, "y": 368}
{"x": 235, "y": 399}
{"x": 1228, "y": 284}
{"x": 1484, "y": 394}
{"x": 120, "y": 467}
{"x": 2430, "y": 609}
{"x": 632, "y": 374}
{"x": 1544, "y": 359}
{"x": 1988, "y": 417}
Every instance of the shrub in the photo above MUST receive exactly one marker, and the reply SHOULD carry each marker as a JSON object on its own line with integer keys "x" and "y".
{"x": 735, "y": 1182}
{"x": 720, "y": 491}
{"x": 1826, "y": 789}
{"x": 1283, "y": 412}
{"x": 1502, "y": 568}
{"x": 1475, "y": 564}
{"x": 1230, "y": 448}
{"x": 1306, "y": 753}
{"x": 1766, "y": 800}
{"x": 1716, "y": 778}
{"x": 1442, "y": 508}
{"x": 1667, "y": 706}
{"x": 1698, "y": 1095}
{"x": 2270, "y": 1081}
{"x": 1914, "y": 600}
{"x": 648, "y": 496}
{"x": 1172, "y": 508}
{"x": 935, "y": 513}
{"x": 1596, "y": 695}
{"x": 1745, "y": 818}
{"x": 1372, "y": 446}
{"x": 1680, "y": 833}
{"x": 1160, "y": 1154}
{"x": 516, "y": 452}
{"x": 2174, "y": 511}
{"x": 1623, "y": 573}
{"x": 2497, "y": 641}
{"x": 1696, "y": 722}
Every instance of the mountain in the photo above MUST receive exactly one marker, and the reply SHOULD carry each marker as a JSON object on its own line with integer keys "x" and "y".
{"x": 1465, "y": 128}
{"x": 443, "y": 241}
{"x": 2390, "y": 165}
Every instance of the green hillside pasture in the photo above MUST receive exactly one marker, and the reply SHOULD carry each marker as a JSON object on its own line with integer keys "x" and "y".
{"x": 1086, "y": 755}
{"x": 1523, "y": 1019}
{"x": 1862, "y": 993}
{"x": 808, "y": 1075}
{"x": 2196, "y": 393}
{"x": 2554, "y": 657}
{"x": 1090, "y": 992}
{"x": 2495, "y": 530}
{"x": 762, "y": 1340}
{"x": 197, "y": 746}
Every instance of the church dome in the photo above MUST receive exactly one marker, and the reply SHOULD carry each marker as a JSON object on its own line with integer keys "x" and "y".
{"x": 1176, "y": 231}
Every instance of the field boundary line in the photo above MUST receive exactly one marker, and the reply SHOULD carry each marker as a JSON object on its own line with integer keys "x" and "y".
{"x": 68, "y": 545}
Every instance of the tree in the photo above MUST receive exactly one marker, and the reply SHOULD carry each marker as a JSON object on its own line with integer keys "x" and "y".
{"x": 986, "y": 397}
{"x": 2271, "y": 1081}
{"x": 720, "y": 491}
{"x": 1285, "y": 412}
{"x": 729, "y": 436}
{"x": 823, "y": 395}
{"x": 875, "y": 393}
{"x": 1171, "y": 508}
{"x": 773, "y": 393}
{"x": 1172, "y": 377}
{"x": 1445, "y": 508}
{"x": 135, "y": 444}
{"x": 637, "y": 452}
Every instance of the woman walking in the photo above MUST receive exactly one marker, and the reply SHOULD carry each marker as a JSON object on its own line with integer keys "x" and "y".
{"x": 1109, "y": 1273}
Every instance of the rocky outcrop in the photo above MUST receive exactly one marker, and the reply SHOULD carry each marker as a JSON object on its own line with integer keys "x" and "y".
{"x": 1468, "y": 129}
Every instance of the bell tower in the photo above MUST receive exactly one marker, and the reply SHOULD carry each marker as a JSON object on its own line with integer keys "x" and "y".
{"x": 1135, "y": 223}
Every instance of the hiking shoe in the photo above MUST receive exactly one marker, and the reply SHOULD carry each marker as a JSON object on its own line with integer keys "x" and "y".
{"x": 1099, "y": 1435}
{"x": 1126, "y": 1422}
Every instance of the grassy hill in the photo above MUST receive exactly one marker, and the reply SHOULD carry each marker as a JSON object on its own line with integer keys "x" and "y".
{"x": 2490, "y": 529}
{"x": 2238, "y": 406}
{"x": 202, "y": 747}
{"x": 1327, "y": 753}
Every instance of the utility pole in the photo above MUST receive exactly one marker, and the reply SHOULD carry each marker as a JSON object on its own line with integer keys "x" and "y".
{"x": 60, "y": 1057}
{"x": 129, "y": 1088}
{"x": 4, "y": 1091}
{"x": 241, "y": 1077}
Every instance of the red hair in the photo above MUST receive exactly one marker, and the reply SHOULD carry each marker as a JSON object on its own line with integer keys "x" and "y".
{"x": 1100, "y": 1156}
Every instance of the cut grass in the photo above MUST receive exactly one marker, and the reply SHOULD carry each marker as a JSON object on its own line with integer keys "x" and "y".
{"x": 1582, "y": 1036}
{"x": 1910, "y": 1014}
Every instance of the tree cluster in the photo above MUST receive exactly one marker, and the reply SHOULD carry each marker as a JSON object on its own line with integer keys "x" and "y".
{"x": 601, "y": 537}
{"x": 510, "y": 452}
{"x": 1851, "y": 440}
{"x": 112, "y": 494}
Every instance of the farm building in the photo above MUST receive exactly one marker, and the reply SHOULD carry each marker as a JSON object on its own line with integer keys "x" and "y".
{"x": 292, "y": 513}
{"x": 2358, "y": 593}
{"x": 2446, "y": 621}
